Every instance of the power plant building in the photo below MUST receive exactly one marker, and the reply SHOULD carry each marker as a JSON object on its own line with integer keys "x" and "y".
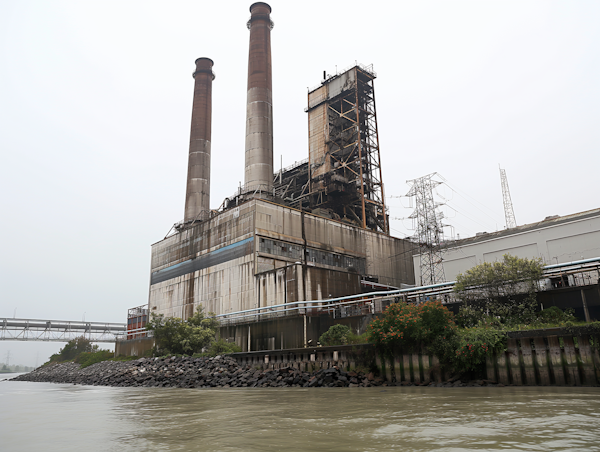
{"x": 313, "y": 231}
{"x": 554, "y": 240}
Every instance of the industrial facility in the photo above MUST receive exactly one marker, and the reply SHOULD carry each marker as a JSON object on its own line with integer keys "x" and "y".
{"x": 313, "y": 231}
{"x": 555, "y": 240}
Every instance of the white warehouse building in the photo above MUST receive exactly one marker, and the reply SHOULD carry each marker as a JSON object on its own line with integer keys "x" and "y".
{"x": 555, "y": 240}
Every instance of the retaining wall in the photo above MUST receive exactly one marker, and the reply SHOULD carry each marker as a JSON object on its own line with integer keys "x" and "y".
{"x": 540, "y": 357}
{"x": 134, "y": 347}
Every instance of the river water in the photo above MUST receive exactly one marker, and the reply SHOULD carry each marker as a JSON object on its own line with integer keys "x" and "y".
{"x": 52, "y": 417}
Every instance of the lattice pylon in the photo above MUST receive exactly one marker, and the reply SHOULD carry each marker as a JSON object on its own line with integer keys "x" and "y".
{"x": 509, "y": 213}
{"x": 429, "y": 229}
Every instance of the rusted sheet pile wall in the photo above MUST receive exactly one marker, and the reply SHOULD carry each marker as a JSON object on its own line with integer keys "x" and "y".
{"x": 543, "y": 360}
{"x": 547, "y": 360}
{"x": 347, "y": 357}
{"x": 534, "y": 361}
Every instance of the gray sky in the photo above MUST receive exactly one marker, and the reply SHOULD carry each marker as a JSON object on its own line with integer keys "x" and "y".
{"x": 95, "y": 107}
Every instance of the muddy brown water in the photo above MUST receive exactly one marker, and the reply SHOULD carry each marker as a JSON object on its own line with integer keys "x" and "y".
{"x": 52, "y": 417}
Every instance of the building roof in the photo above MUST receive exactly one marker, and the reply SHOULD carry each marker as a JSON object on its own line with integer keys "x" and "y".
{"x": 547, "y": 222}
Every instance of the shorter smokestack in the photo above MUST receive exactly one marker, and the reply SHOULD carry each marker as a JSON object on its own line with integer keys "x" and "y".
{"x": 197, "y": 198}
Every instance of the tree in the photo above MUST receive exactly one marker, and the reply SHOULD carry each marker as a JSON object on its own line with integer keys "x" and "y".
{"x": 504, "y": 290}
{"x": 174, "y": 335}
{"x": 76, "y": 347}
{"x": 337, "y": 334}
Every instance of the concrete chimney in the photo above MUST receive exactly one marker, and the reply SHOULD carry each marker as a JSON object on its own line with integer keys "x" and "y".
{"x": 197, "y": 197}
{"x": 259, "y": 109}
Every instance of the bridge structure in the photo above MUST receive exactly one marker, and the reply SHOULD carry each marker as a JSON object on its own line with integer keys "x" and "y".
{"x": 58, "y": 330}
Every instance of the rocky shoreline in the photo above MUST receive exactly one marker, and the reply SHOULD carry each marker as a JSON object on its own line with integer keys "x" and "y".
{"x": 217, "y": 372}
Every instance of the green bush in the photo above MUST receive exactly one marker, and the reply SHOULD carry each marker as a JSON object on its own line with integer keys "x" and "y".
{"x": 73, "y": 350}
{"x": 398, "y": 328}
{"x": 76, "y": 347}
{"x": 221, "y": 347}
{"x": 336, "y": 335}
{"x": 505, "y": 290}
{"x": 358, "y": 338}
{"x": 88, "y": 358}
{"x": 472, "y": 345}
{"x": 556, "y": 315}
{"x": 409, "y": 327}
{"x": 184, "y": 337}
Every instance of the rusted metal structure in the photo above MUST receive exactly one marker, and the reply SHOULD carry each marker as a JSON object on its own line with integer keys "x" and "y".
{"x": 259, "y": 107}
{"x": 197, "y": 198}
{"x": 137, "y": 318}
{"x": 312, "y": 231}
{"x": 344, "y": 163}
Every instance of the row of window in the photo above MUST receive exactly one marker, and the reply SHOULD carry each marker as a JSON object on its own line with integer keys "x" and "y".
{"x": 287, "y": 250}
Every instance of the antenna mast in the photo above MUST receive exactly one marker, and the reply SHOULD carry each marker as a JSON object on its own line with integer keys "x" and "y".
{"x": 509, "y": 213}
{"x": 429, "y": 231}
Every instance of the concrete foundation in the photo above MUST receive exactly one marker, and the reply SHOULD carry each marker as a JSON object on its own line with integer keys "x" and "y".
{"x": 134, "y": 347}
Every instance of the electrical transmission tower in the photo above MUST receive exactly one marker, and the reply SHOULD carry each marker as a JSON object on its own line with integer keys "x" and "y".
{"x": 509, "y": 213}
{"x": 429, "y": 231}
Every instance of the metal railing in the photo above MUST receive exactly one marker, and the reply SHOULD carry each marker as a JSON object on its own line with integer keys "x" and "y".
{"x": 577, "y": 273}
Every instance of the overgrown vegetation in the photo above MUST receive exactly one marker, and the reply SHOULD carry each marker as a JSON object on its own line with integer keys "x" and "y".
{"x": 86, "y": 359}
{"x": 184, "y": 337}
{"x": 339, "y": 334}
{"x": 407, "y": 327}
{"x": 195, "y": 336}
{"x": 497, "y": 298}
{"x": 221, "y": 347}
{"x": 504, "y": 291}
{"x": 81, "y": 351}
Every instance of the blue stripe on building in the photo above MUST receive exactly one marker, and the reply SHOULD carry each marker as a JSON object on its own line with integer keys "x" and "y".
{"x": 220, "y": 256}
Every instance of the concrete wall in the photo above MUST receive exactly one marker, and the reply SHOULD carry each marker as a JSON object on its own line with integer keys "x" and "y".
{"x": 134, "y": 347}
{"x": 262, "y": 254}
{"x": 563, "y": 239}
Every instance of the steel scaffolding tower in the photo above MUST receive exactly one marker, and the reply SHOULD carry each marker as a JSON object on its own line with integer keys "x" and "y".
{"x": 509, "y": 213}
{"x": 429, "y": 231}
{"x": 344, "y": 161}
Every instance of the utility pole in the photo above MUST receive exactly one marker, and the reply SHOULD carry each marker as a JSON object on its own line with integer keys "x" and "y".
{"x": 429, "y": 229}
{"x": 509, "y": 213}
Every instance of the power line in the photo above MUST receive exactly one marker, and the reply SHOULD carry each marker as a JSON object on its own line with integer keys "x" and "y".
{"x": 466, "y": 198}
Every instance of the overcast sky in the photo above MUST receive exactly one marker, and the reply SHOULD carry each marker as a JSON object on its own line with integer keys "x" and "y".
{"x": 95, "y": 107}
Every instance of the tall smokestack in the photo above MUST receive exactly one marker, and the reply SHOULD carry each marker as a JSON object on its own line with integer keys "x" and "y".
{"x": 197, "y": 197}
{"x": 259, "y": 109}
